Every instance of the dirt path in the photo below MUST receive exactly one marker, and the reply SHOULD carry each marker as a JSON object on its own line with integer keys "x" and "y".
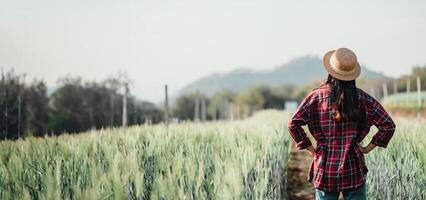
{"x": 299, "y": 187}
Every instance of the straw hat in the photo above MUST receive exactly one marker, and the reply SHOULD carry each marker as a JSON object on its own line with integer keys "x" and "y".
{"x": 342, "y": 64}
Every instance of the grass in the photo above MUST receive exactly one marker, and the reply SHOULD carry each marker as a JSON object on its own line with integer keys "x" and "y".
{"x": 399, "y": 171}
{"x": 214, "y": 160}
{"x": 405, "y": 101}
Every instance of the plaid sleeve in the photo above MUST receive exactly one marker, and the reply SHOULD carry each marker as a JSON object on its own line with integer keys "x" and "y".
{"x": 299, "y": 119}
{"x": 381, "y": 119}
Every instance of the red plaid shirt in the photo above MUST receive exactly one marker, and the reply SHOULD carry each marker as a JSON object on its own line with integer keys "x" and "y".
{"x": 339, "y": 163}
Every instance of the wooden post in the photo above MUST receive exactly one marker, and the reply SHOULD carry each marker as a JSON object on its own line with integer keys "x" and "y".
{"x": 20, "y": 93}
{"x": 385, "y": 90}
{"x": 419, "y": 97}
{"x": 408, "y": 89}
{"x": 3, "y": 97}
{"x": 19, "y": 108}
{"x": 203, "y": 108}
{"x": 197, "y": 106}
{"x": 227, "y": 109}
{"x": 166, "y": 105}
{"x": 126, "y": 91}
{"x": 5, "y": 100}
{"x": 230, "y": 111}
{"x": 135, "y": 117}
{"x": 238, "y": 112}
{"x": 111, "y": 117}
{"x": 224, "y": 109}
{"x": 213, "y": 110}
{"x": 220, "y": 109}
{"x": 395, "y": 88}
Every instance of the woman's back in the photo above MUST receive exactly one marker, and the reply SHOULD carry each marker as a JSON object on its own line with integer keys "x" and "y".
{"x": 338, "y": 162}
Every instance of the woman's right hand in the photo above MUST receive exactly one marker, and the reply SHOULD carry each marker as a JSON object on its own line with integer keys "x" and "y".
{"x": 311, "y": 150}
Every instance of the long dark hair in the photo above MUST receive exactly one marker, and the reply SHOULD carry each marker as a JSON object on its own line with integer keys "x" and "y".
{"x": 344, "y": 98}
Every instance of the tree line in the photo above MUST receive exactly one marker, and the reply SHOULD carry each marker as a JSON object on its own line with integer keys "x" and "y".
{"x": 75, "y": 106}
{"x": 411, "y": 78}
{"x": 263, "y": 97}
{"x": 228, "y": 104}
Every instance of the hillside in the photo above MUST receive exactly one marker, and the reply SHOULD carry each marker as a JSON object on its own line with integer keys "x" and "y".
{"x": 298, "y": 71}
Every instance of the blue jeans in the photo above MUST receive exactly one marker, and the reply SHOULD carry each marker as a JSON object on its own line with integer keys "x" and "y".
{"x": 355, "y": 194}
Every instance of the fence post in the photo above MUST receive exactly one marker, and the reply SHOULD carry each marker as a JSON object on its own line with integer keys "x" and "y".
{"x": 385, "y": 90}
{"x": 19, "y": 106}
{"x": 225, "y": 109}
{"x": 126, "y": 91}
{"x": 222, "y": 109}
{"x": 111, "y": 104}
{"x": 203, "y": 108}
{"x": 5, "y": 95}
{"x": 166, "y": 105}
{"x": 197, "y": 106}
{"x": 230, "y": 111}
{"x": 238, "y": 112}
{"x": 395, "y": 88}
{"x": 419, "y": 98}
{"x": 214, "y": 111}
{"x": 419, "y": 90}
{"x": 408, "y": 89}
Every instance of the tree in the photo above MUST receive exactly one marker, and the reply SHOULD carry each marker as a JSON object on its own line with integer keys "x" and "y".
{"x": 217, "y": 105}
{"x": 9, "y": 87}
{"x": 250, "y": 100}
{"x": 37, "y": 109}
{"x": 141, "y": 112}
{"x": 184, "y": 107}
{"x": 68, "y": 111}
{"x": 23, "y": 109}
{"x": 78, "y": 106}
{"x": 417, "y": 71}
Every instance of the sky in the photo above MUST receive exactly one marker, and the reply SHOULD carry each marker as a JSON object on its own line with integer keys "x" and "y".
{"x": 176, "y": 42}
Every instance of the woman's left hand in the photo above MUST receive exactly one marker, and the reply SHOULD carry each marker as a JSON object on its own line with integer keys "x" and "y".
{"x": 363, "y": 149}
{"x": 367, "y": 149}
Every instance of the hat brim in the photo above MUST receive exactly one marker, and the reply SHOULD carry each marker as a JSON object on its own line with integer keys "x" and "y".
{"x": 333, "y": 73}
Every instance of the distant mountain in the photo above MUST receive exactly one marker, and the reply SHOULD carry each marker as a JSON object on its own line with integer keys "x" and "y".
{"x": 298, "y": 71}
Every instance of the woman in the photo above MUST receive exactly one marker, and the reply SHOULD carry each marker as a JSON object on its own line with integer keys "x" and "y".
{"x": 339, "y": 116}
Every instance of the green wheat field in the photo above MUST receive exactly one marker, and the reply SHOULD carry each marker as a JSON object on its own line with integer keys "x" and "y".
{"x": 213, "y": 160}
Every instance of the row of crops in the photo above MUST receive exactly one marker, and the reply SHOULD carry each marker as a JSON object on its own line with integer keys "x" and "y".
{"x": 214, "y": 160}
{"x": 221, "y": 160}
